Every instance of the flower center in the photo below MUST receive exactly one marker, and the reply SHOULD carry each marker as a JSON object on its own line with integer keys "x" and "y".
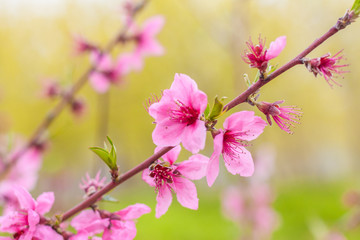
{"x": 162, "y": 173}
{"x": 232, "y": 144}
{"x": 184, "y": 114}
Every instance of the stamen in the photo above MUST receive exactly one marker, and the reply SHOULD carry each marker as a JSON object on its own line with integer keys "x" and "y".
{"x": 184, "y": 114}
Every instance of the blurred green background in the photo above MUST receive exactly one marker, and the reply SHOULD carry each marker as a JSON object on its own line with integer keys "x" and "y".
{"x": 204, "y": 39}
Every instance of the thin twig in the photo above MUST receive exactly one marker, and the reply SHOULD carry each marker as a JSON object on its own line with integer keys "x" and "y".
{"x": 55, "y": 112}
{"x": 238, "y": 100}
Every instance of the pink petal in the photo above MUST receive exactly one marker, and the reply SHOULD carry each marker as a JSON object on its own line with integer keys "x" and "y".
{"x": 45, "y": 202}
{"x": 245, "y": 121}
{"x": 195, "y": 167}
{"x": 81, "y": 235}
{"x": 149, "y": 46}
{"x": 120, "y": 230}
{"x": 33, "y": 219}
{"x": 135, "y": 61}
{"x": 186, "y": 193}
{"x": 168, "y": 133}
{"x": 24, "y": 198}
{"x": 171, "y": 155}
{"x": 199, "y": 101}
{"x": 89, "y": 221}
{"x": 160, "y": 110}
{"x": 99, "y": 82}
{"x": 101, "y": 61}
{"x": 164, "y": 199}
{"x": 233, "y": 205}
{"x": 46, "y": 232}
{"x": 124, "y": 63}
{"x": 153, "y": 25}
{"x": 146, "y": 177}
{"x": 194, "y": 136}
{"x": 133, "y": 211}
{"x": 183, "y": 87}
{"x": 27, "y": 177}
{"x": 276, "y": 47}
{"x": 213, "y": 167}
{"x": 244, "y": 165}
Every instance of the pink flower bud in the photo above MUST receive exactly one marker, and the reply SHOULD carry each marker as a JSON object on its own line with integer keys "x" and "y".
{"x": 283, "y": 116}
{"x": 82, "y": 46}
{"x": 258, "y": 56}
{"x": 78, "y": 107}
{"x": 326, "y": 66}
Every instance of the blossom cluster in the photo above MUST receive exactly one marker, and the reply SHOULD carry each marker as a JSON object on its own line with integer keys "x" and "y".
{"x": 182, "y": 118}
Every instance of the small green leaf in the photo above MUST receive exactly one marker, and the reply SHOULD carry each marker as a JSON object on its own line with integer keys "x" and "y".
{"x": 112, "y": 152}
{"x": 247, "y": 80}
{"x": 109, "y": 157}
{"x": 108, "y": 198}
{"x": 207, "y": 111}
{"x": 356, "y": 7}
{"x": 271, "y": 69}
{"x": 103, "y": 154}
{"x": 217, "y": 109}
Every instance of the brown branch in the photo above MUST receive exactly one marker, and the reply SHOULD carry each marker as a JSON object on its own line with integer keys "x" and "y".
{"x": 67, "y": 98}
{"x": 238, "y": 100}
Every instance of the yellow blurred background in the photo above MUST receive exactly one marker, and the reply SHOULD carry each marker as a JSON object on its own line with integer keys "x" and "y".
{"x": 204, "y": 39}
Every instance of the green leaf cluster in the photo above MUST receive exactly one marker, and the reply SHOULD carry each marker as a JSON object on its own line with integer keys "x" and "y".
{"x": 108, "y": 157}
{"x": 356, "y": 7}
{"x": 216, "y": 110}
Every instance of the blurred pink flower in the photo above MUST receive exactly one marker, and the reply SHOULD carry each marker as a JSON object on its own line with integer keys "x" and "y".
{"x": 106, "y": 72}
{"x": 283, "y": 116}
{"x": 24, "y": 172}
{"x": 178, "y": 115}
{"x": 117, "y": 225}
{"x": 233, "y": 205}
{"x": 335, "y": 236}
{"x": 326, "y": 66}
{"x": 51, "y": 88}
{"x": 250, "y": 206}
{"x": 166, "y": 176}
{"x": 92, "y": 185}
{"x": 259, "y": 56}
{"x": 238, "y": 129}
{"x": 82, "y": 46}
{"x": 25, "y": 221}
{"x": 78, "y": 107}
{"x": 146, "y": 44}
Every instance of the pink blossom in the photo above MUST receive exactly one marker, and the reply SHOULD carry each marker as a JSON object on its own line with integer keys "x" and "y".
{"x": 146, "y": 44}
{"x": 259, "y": 56}
{"x": 238, "y": 129}
{"x": 334, "y": 235}
{"x": 167, "y": 176}
{"x": 25, "y": 222}
{"x": 106, "y": 72}
{"x": 326, "y": 66}
{"x": 78, "y": 107}
{"x": 82, "y": 46}
{"x": 118, "y": 225}
{"x": 284, "y": 117}
{"x": 233, "y": 205}
{"x": 250, "y": 207}
{"x": 178, "y": 115}
{"x": 24, "y": 172}
{"x": 51, "y": 89}
{"x": 92, "y": 185}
